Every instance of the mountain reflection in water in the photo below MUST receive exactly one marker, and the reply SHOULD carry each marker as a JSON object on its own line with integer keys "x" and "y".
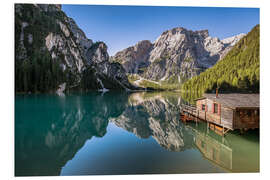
{"x": 151, "y": 114}
{"x": 93, "y": 132}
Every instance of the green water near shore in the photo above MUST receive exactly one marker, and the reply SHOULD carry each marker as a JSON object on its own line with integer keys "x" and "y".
{"x": 121, "y": 133}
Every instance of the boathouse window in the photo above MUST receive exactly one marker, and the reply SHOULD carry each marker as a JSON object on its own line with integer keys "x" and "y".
{"x": 215, "y": 108}
{"x": 203, "y": 107}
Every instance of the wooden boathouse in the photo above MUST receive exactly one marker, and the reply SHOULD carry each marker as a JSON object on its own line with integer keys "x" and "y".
{"x": 226, "y": 111}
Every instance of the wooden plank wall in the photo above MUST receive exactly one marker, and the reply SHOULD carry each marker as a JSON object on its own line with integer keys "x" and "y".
{"x": 227, "y": 117}
{"x": 209, "y": 115}
{"x": 247, "y": 118}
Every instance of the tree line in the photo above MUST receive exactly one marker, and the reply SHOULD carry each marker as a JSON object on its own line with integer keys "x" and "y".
{"x": 238, "y": 71}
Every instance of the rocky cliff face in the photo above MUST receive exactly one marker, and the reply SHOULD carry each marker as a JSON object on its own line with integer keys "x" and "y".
{"x": 135, "y": 57}
{"x": 50, "y": 50}
{"x": 177, "y": 54}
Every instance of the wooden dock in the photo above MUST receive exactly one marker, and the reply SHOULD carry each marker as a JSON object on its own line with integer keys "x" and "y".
{"x": 191, "y": 113}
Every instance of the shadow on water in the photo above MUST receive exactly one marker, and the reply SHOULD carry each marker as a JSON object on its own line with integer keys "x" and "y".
{"x": 50, "y": 130}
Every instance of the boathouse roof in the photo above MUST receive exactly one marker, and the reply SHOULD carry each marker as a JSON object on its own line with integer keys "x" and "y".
{"x": 236, "y": 100}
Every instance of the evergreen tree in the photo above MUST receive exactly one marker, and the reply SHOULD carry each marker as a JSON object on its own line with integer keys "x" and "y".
{"x": 238, "y": 71}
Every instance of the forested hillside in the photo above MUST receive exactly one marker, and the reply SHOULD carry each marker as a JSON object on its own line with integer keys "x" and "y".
{"x": 34, "y": 70}
{"x": 52, "y": 54}
{"x": 238, "y": 71}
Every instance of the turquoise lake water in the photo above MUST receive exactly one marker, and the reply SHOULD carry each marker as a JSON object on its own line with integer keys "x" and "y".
{"x": 121, "y": 133}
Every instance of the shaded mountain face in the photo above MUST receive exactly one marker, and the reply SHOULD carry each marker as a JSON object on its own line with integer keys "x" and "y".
{"x": 176, "y": 55}
{"x": 157, "y": 116}
{"x": 51, "y": 50}
{"x": 135, "y": 58}
{"x": 46, "y": 141}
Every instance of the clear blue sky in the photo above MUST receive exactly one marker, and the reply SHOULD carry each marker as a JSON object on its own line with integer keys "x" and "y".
{"x": 122, "y": 26}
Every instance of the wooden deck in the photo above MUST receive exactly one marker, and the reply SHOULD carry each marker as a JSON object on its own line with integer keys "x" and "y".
{"x": 191, "y": 113}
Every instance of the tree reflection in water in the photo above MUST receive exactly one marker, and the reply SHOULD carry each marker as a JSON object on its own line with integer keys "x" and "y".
{"x": 49, "y": 130}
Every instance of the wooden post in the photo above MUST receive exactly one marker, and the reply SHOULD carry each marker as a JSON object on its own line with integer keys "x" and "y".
{"x": 219, "y": 112}
{"x": 207, "y": 127}
{"x": 222, "y": 131}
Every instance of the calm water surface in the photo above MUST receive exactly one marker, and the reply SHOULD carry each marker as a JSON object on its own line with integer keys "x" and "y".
{"x": 120, "y": 133}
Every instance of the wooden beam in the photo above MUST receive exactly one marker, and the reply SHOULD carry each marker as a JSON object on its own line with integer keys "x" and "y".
{"x": 226, "y": 131}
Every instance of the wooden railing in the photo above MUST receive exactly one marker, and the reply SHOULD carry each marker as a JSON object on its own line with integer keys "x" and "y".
{"x": 200, "y": 114}
{"x": 189, "y": 109}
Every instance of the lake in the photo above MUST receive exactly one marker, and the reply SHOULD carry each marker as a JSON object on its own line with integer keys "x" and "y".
{"x": 122, "y": 133}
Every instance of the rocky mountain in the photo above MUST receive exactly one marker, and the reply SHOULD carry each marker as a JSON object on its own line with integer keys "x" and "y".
{"x": 135, "y": 57}
{"x": 52, "y": 52}
{"x": 176, "y": 55}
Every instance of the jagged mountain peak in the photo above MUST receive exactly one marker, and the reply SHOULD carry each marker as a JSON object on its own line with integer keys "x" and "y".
{"x": 176, "y": 55}
{"x": 134, "y": 57}
{"x": 142, "y": 42}
{"x": 203, "y": 33}
{"x": 49, "y": 7}
{"x": 137, "y": 47}
{"x": 182, "y": 30}
{"x": 234, "y": 39}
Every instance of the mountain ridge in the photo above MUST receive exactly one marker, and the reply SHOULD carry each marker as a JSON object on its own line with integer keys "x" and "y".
{"x": 176, "y": 55}
{"x": 52, "y": 54}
